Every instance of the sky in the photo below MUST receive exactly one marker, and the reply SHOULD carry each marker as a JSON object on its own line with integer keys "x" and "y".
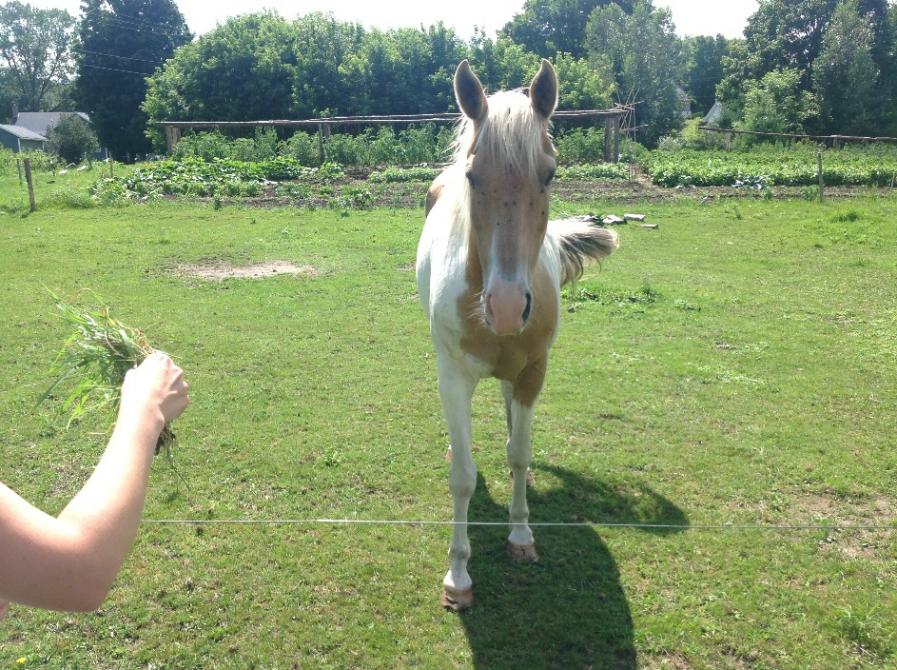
{"x": 692, "y": 17}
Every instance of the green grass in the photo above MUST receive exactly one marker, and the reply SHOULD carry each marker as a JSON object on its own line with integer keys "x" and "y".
{"x": 734, "y": 366}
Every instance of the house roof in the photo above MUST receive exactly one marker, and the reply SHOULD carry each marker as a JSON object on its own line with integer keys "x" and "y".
{"x": 41, "y": 122}
{"x": 715, "y": 114}
{"x": 22, "y": 133}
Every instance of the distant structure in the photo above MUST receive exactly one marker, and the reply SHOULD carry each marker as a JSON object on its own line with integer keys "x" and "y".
{"x": 42, "y": 122}
{"x": 29, "y": 131}
{"x": 20, "y": 139}
{"x": 715, "y": 115}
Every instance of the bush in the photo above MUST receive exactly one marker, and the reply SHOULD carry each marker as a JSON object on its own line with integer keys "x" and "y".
{"x": 72, "y": 139}
{"x": 580, "y": 145}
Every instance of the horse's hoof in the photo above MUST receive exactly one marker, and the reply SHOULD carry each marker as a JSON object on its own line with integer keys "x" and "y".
{"x": 456, "y": 600}
{"x": 523, "y": 552}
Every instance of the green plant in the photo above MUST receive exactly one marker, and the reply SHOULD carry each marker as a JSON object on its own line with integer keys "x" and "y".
{"x": 93, "y": 363}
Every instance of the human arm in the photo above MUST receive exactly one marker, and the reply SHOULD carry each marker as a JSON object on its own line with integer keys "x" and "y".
{"x": 70, "y": 562}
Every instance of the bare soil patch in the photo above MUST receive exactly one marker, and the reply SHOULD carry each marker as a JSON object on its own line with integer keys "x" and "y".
{"x": 221, "y": 270}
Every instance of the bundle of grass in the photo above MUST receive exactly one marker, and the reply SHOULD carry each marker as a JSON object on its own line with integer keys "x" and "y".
{"x": 95, "y": 359}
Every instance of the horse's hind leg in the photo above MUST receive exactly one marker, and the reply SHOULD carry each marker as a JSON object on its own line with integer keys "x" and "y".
{"x": 507, "y": 390}
{"x": 456, "y": 391}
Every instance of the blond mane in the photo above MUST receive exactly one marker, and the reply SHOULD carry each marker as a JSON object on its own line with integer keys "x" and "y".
{"x": 512, "y": 132}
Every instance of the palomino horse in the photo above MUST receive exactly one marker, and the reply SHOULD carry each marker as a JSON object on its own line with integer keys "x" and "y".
{"x": 489, "y": 272}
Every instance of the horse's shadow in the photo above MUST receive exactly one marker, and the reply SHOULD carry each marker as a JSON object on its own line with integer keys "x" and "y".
{"x": 569, "y": 610}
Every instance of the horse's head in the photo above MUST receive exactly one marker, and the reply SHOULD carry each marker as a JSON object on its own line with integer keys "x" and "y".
{"x": 509, "y": 161}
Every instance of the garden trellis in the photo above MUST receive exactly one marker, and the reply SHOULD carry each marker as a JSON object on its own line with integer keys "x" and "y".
{"x": 614, "y": 122}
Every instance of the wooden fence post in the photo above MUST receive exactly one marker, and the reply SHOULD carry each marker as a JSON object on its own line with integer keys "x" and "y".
{"x": 109, "y": 160}
{"x": 617, "y": 129}
{"x": 19, "y": 168}
{"x": 821, "y": 179}
{"x": 321, "y": 153}
{"x": 31, "y": 202}
{"x": 608, "y": 140}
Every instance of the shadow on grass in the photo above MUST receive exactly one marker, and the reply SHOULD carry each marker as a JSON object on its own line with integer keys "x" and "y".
{"x": 569, "y": 610}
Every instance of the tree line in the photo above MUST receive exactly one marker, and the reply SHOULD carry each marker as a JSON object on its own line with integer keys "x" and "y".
{"x": 819, "y": 66}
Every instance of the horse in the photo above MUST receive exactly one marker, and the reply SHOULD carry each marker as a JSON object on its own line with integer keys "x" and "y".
{"x": 489, "y": 269}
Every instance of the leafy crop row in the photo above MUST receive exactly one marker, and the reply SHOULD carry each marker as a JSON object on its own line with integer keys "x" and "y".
{"x": 782, "y": 167}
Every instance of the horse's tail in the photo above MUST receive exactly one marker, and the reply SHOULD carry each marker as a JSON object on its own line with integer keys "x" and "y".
{"x": 579, "y": 243}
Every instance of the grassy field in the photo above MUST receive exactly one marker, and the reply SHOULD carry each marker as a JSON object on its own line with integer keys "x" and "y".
{"x": 735, "y": 366}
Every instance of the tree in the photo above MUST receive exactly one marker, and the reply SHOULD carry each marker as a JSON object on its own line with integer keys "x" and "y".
{"x": 645, "y": 56}
{"x": 777, "y": 104}
{"x": 72, "y": 139}
{"x": 705, "y": 68}
{"x": 545, "y": 27}
{"x": 788, "y": 34}
{"x": 845, "y": 74}
{"x": 122, "y": 42}
{"x": 35, "y": 48}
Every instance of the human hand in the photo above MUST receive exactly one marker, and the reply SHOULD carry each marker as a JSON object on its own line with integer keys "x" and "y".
{"x": 156, "y": 387}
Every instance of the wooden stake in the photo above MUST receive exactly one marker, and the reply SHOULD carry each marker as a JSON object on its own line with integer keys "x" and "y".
{"x": 821, "y": 179}
{"x": 110, "y": 166}
{"x": 30, "y": 184}
{"x": 19, "y": 168}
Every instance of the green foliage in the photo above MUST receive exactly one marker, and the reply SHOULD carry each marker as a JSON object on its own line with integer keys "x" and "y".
{"x": 93, "y": 363}
{"x": 704, "y": 56}
{"x": 72, "y": 139}
{"x": 127, "y": 35}
{"x": 645, "y": 56}
{"x": 772, "y": 166}
{"x": 788, "y": 35}
{"x": 592, "y": 171}
{"x": 546, "y": 27}
{"x": 579, "y": 145}
{"x": 41, "y": 161}
{"x": 776, "y": 104}
{"x": 845, "y": 74}
{"x": 36, "y": 49}
{"x": 397, "y": 174}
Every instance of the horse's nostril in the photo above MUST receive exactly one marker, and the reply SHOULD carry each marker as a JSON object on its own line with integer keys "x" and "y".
{"x": 529, "y": 306}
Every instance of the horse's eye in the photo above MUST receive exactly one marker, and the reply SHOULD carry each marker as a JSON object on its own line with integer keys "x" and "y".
{"x": 471, "y": 178}
{"x": 549, "y": 177}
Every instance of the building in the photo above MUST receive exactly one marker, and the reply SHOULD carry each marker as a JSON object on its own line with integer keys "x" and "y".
{"x": 29, "y": 131}
{"x": 42, "y": 122}
{"x": 21, "y": 139}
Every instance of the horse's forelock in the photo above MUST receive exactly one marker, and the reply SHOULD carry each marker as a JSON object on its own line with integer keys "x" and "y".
{"x": 512, "y": 132}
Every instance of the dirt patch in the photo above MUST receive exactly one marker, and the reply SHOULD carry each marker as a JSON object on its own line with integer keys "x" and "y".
{"x": 864, "y": 543}
{"x": 221, "y": 270}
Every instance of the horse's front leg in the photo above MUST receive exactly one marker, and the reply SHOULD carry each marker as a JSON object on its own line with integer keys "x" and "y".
{"x": 521, "y": 545}
{"x": 456, "y": 390}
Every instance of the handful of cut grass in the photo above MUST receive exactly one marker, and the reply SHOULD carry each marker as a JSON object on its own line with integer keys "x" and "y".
{"x": 94, "y": 361}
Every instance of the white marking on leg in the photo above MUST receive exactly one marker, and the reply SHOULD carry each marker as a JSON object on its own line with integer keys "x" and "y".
{"x": 456, "y": 390}
{"x": 519, "y": 456}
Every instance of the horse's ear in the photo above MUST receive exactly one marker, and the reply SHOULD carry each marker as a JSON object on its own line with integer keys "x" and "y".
{"x": 543, "y": 91}
{"x": 469, "y": 92}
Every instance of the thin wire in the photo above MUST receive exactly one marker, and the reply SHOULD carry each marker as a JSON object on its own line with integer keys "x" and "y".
{"x": 533, "y": 524}
{"x": 142, "y": 60}
{"x": 115, "y": 69}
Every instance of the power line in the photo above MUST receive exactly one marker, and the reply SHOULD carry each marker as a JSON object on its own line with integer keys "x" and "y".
{"x": 115, "y": 69}
{"x": 143, "y": 60}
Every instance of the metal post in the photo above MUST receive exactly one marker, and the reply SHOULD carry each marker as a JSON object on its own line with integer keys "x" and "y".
{"x": 30, "y": 184}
